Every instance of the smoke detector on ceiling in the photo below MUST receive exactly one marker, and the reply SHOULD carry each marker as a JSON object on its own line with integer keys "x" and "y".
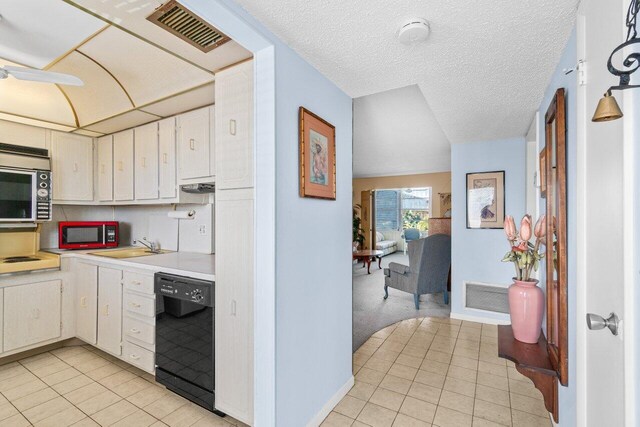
{"x": 414, "y": 31}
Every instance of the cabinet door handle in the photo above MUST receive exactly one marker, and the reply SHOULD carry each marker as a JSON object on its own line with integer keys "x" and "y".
{"x": 134, "y": 331}
{"x": 120, "y": 165}
{"x": 164, "y": 158}
{"x": 232, "y": 127}
{"x": 135, "y": 305}
{"x": 102, "y": 168}
{"x": 75, "y": 167}
{"x": 134, "y": 356}
{"x": 144, "y": 162}
{"x": 136, "y": 282}
{"x": 192, "y": 144}
{"x": 83, "y": 302}
{"x": 106, "y": 310}
{"x": 35, "y": 313}
{"x": 233, "y": 307}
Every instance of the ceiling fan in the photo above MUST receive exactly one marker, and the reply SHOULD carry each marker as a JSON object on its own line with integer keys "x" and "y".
{"x": 22, "y": 73}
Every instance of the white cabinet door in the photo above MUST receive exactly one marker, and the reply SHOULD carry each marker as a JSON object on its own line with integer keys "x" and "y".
{"x": 110, "y": 310}
{"x": 31, "y": 313}
{"x": 146, "y": 164}
{"x": 194, "y": 146}
{"x": 123, "y": 165}
{"x": 72, "y": 163}
{"x": 105, "y": 168}
{"x": 86, "y": 302}
{"x": 234, "y": 127}
{"x": 167, "y": 145}
{"x": 234, "y": 303}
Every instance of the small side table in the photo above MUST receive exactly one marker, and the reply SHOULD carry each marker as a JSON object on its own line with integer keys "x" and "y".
{"x": 366, "y": 256}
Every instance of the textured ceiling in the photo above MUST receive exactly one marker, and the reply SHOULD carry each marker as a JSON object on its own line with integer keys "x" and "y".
{"x": 483, "y": 70}
{"x": 396, "y": 133}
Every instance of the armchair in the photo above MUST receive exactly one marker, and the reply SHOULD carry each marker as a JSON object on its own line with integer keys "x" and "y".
{"x": 427, "y": 272}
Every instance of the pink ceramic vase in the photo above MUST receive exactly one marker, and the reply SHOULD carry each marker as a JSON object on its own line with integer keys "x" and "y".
{"x": 526, "y": 305}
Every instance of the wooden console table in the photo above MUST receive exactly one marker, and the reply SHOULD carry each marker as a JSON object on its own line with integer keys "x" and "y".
{"x": 532, "y": 361}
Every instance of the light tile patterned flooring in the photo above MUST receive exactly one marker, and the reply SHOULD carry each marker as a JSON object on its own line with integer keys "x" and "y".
{"x": 82, "y": 386}
{"x": 440, "y": 372}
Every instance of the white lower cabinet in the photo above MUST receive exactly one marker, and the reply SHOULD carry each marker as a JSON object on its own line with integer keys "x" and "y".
{"x": 86, "y": 281}
{"x": 31, "y": 314}
{"x": 234, "y": 303}
{"x": 110, "y": 310}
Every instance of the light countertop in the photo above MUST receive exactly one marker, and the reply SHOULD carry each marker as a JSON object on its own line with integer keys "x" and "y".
{"x": 189, "y": 264}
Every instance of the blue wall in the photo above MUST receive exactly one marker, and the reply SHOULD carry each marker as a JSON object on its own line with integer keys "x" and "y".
{"x": 476, "y": 254}
{"x": 567, "y": 395}
{"x": 313, "y": 238}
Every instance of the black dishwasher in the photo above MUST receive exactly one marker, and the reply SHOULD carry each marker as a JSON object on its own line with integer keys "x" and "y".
{"x": 184, "y": 337}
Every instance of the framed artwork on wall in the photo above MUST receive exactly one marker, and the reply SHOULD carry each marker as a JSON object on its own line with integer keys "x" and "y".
{"x": 317, "y": 143}
{"x": 543, "y": 173}
{"x": 485, "y": 199}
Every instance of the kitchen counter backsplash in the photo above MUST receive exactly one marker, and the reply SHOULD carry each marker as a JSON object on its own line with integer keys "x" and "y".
{"x": 196, "y": 235}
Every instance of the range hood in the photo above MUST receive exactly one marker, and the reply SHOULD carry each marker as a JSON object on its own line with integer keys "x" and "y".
{"x": 198, "y": 188}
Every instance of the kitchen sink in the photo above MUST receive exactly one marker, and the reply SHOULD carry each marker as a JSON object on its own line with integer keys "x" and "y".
{"x": 128, "y": 253}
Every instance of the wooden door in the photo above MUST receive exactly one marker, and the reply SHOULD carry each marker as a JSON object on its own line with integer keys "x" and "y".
{"x": 365, "y": 215}
{"x": 167, "y": 147}
{"x": 146, "y": 162}
{"x": 86, "y": 276}
{"x": 123, "y": 172}
{"x": 72, "y": 161}
{"x": 110, "y": 310}
{"x": 234, "y": 303}
{"x": 194, "y": 148}
{"x": 105, "y": 168}
{"x": 31, "y": 313}
{"x": 234, "y": 127}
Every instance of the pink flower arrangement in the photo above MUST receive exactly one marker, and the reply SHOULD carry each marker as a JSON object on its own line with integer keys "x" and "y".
{"x": 524, "y": 254}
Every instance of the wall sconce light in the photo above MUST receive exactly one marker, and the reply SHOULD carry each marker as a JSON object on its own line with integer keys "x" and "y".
{"x": 608, "y": 108}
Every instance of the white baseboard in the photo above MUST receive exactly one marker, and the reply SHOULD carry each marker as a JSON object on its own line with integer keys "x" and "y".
{"x": 479, "y": 318}
{"x": 328, "y": 407}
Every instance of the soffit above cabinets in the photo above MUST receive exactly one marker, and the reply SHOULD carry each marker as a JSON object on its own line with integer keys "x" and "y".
{"x": 134, "y": 72}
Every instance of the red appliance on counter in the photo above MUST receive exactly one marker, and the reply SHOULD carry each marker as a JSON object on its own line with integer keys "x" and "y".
{"x": 87, "y": 234}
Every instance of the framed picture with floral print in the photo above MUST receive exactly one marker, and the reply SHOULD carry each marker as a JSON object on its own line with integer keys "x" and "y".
{"x": 485, "y": 200}
{"x": 317, "y": 143}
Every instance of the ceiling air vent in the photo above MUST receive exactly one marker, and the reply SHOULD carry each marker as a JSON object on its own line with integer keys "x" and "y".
{"x": 178, "y": 20}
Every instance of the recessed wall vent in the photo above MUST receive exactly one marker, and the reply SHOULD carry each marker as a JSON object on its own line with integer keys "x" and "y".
{"x": 180, "y": 21}
{"x": 482, "y": 296}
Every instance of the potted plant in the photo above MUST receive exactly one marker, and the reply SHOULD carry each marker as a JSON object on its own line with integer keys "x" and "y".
{"x": 358, "y": 237}
{"x": 526, "y": 299}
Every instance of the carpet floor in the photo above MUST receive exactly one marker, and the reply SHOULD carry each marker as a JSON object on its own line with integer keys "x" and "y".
{"x": 371, "y": 312}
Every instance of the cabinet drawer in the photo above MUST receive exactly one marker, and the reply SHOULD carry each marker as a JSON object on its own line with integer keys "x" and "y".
{"x": 138, "y": 356}
{"x": 140, "y": 304}
{"x": 138, "y": 282}
{"x": 139, "y": 330}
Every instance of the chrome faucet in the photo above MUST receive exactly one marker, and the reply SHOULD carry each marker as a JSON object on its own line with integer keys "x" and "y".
{"x": 151, "y": 245}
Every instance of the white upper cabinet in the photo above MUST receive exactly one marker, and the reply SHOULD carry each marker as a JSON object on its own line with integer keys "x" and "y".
{"x": 146, "y": 162}
{"x": 195, "y": 147}
{"x": 72, "y": 157}
{"x": 234, "y": 127}
{"x": 167, "y": 166}
{"x": 105, "y": 169}
{"x": 123, "y": 172}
